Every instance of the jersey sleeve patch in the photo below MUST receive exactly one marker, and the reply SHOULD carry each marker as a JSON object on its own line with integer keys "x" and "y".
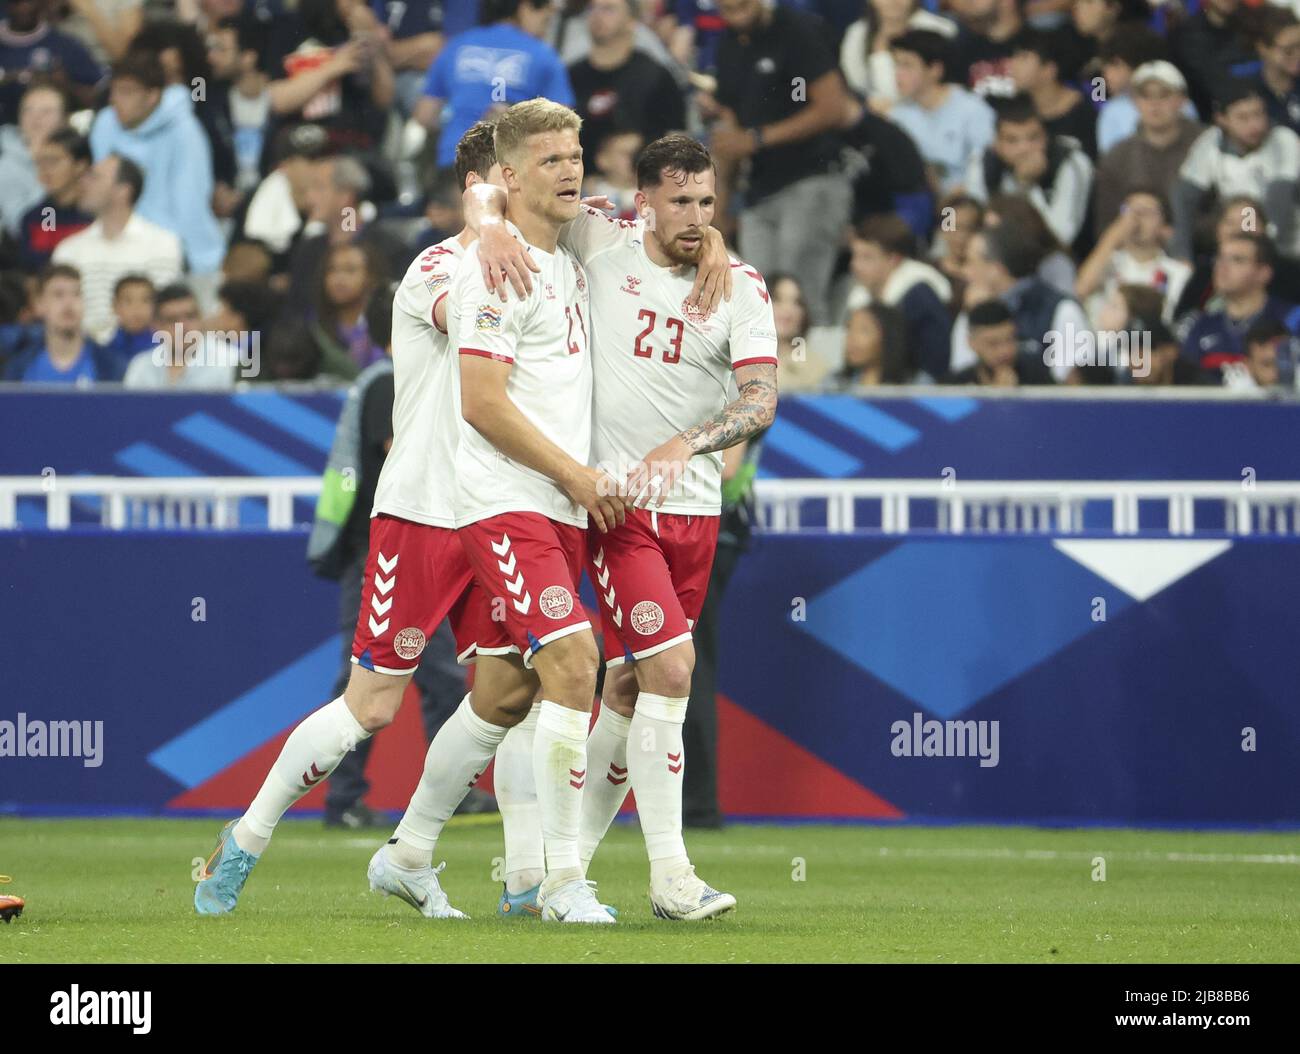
{"x": 487, "y": 319}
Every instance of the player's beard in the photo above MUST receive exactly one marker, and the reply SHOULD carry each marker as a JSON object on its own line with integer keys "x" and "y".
{"x": 674, "y": 251}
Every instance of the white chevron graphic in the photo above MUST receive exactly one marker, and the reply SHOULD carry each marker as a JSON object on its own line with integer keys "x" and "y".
{"x": 517, "y": 585}
{"x": 380, "y": 608}
{"x": 504, "y": 547}
{"x": 384, "y": 585}
{"x": 603, "y": 577}
{"x": 378, "y": 628}
{"x": 609, "y": 598}
{"x": 507, "y": 568}
{"x": 618, "y": 616}
{"x": 387, "y": 565}
{"x": 1141, "y": 567}
{"x": 522, "y": 606}
{"x": 599, "y": 558}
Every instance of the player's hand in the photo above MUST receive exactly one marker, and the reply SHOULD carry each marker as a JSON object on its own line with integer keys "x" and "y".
{"x": 712, "y": 275}
{"x": 653, "y": 479}
{"x": 505, "y": 259}
{"x": 598, "y": 493}
{"x": 598, "y": 201}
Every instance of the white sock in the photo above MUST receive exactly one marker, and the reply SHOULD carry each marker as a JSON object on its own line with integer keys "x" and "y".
{"x": 456, "y": 758}
{"x": 516, "y": 791}
{"x": 560, "y": 768}
{"x": 655, "y": 760}
{"x": 608, "y": 787}
{"x": 312, "y": 751}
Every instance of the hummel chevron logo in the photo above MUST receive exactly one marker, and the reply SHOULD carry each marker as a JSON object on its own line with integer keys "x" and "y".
{"x": 616, "y": 775}
{"x": 599, "y": 558}
{"x": 609, "y": 598}
{"x": 379, "y": 628}
{"x": 385, "y": 585}
{"x": 578, "y": 778}
{"x": 522, "y": 606}
{"x": 618, "y": 616}
{"x": 507, "y": 568}
{"x": 387, "y": 565}
{"x": 381, "y": 607}
{"x": 675, "y": 762}
{"x": 504, "y": 546}
{"x": 603, "y": 579}
{"x": 517, "y": 586}
{"x": 307, "y": 779}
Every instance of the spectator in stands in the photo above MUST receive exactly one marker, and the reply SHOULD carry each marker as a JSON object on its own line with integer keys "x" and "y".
{"x": 247, "y": 307}
{"x": 41, "y": 113}
{"x": 415, "y": 30}
{"x": 105, "y": 27}
{"x": 33, "y": 48}
{"x": 118, "y": 243}
{"x": 949, "y": 124}
{"x": 617, "y": 87}
{"x": 64, "y": 356}
{"x": 1051, "y": 171}
{"x": 960, "y": 218}
{"x": 801, "y": 370}
{"x": 291, "y": 353}
{"x": 1041, "y": 62}
{"x": 184, "y": 356}
{"x": 1132, "y": 251}
{"x": 1125, "y": 318}
{"x": 337, "y": 203}
{"x": 1153, "y": 155}
{"x": 886, "y": 271}
{"x": 1055, "y": 264}
{"x": 570, "y": 35}
{"x": 1245, "y": 154}
{"x": 1211, "y": 47}
{"x": 1270, "y": 359}
{"x": 443, "y": 215}
{"x": 240, "y": 93}
{"x": 155, "y": 127}
{"x": 278, "y": 209}
{"x": 501, "y": 62}
{"x": 982, "y": 53}
{"x": 1242, "y": 273}
{"x": 999, "y": 362}
{"x": 247, "y": 260}
{"x": 867, "y": 52}
{"x": 1164, "y": 366}
{"x": 1000, "y": 266}
{"x": 134, "y": 311}
{"x": 182, "y": 54}
{"x": 1278, "y": 46}
{"x": 888, "y": 173}
{"x": 338, "y": 77}
{"x": 62, "y": 162}
{"x": 1120, "y": 58}
{"x": 350, "y": 274}
{"x": 1238, "y": 215}
{"x": 797, "y": 203}
{"x": 875, "y": 349}
{"x": 1097, "y": 22}
{"x": 693, "y": 30}
{"x": 614, "y": 174}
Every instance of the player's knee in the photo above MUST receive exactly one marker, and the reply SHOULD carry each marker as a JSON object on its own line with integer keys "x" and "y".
{"x": 572, "y": 673}
{"x": 669, "y": 672}
{"x": 374, "y": 699}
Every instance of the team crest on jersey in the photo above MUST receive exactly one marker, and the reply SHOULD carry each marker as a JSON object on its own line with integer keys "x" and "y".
{"x": 436, "y": 281}
{"x": 556, "y": 602}
{"x": 489, "y": 317}
{"x": 693, "y": 313}
{"x": 579, "y": 277}
{"x": 647, "y": 618}
{"x": 409, "y": 642}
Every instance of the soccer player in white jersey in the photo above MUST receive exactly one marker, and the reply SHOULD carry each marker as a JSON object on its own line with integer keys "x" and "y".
{"x": 663, "y": 369}
{"x": 416, "y": 575}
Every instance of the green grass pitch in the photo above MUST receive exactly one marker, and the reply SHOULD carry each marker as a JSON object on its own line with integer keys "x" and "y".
{"x": 121, "y": 891}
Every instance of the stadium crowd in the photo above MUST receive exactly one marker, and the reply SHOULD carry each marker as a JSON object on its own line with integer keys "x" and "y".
{"x": 987, "y": 192}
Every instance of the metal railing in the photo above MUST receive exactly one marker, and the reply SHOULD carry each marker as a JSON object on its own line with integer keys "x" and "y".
{"x": 785, "y": 506}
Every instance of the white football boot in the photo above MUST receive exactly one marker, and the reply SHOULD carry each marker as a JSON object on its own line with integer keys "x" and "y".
{"x": 686, "y": 898}
{"x": 419, "y": 888}
{"x": 573, "y": 901}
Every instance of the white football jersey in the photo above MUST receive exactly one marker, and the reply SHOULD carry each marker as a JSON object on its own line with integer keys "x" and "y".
{"x": 545, "y": 339}
{"x": 417, "y": 482}
{"x": 660, "y": 369}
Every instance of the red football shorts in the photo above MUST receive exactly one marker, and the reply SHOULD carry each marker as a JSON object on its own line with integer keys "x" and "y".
{"x": 650, "y": 575}
{"x": 527, "y": 567}
{"x": 415, "y": 577}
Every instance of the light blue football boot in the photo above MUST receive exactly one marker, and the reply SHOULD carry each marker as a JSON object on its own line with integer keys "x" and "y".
{"x": 224, "y": 875}
{"x": 524, "y": 905}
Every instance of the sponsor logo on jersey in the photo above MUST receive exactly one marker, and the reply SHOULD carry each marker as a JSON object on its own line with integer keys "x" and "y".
{"x": 489, "y": 317}
{"x": 556, "y": 602}
{"x": 631, "y": 285}
{"x": 761, "y": 333}
{"x": 647, "y": 618}
{"x": 550, "y": 291}
{"x": 409, "y": 642}
{"x": 436, "y": 281}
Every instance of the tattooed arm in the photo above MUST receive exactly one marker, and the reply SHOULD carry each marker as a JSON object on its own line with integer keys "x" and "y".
{"x": 754, "y": 410}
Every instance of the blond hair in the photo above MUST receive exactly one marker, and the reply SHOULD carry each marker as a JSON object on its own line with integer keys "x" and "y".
{"x": 533, "y": 117}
